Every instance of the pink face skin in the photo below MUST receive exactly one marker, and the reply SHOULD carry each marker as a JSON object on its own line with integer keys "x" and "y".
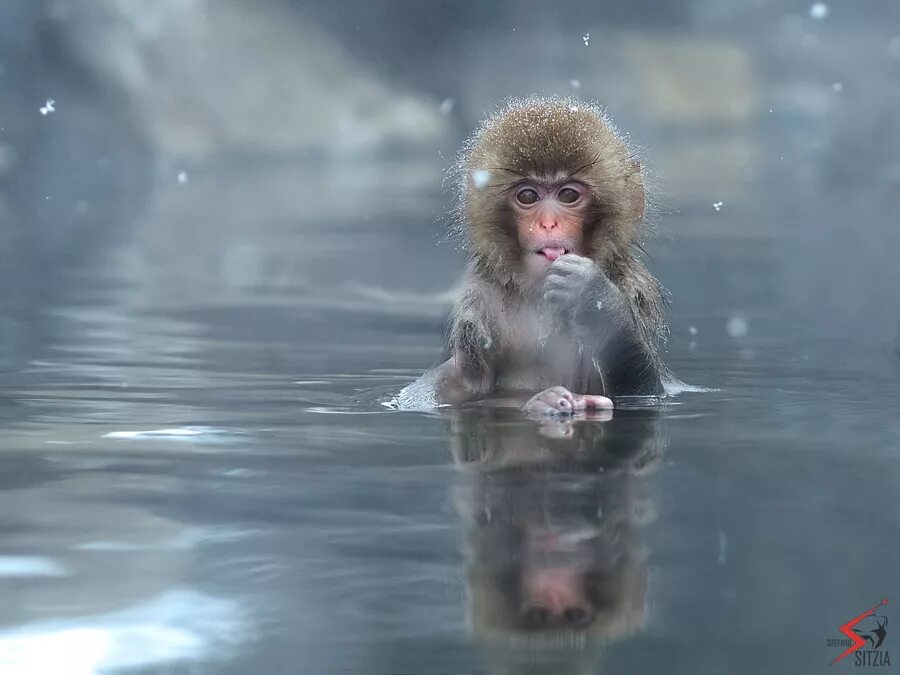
{"x": 554, "y": 593}
{"x": 549, "y": 217}
{"x": 555, "y": 598}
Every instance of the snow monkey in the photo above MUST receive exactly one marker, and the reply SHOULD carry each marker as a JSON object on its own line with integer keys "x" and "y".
{"x": 556, "y": 306}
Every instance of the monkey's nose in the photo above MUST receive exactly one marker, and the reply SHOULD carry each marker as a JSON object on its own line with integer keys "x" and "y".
{"x": 548, "y": 224}
{"x": 537, "y": 617}
{"x": 577, "y": 616}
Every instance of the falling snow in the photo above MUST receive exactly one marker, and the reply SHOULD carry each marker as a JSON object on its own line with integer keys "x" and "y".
{"x": 837, "y": 86}
{"x": 818, "y": 10}
{"x": 894, "y": 47}
{"x": 447, "y": 106}
{"x": 182, "y": 177}
{"x": 48, "y": 107}
{"x": 480, "y": 177}
{"x": 586, "y": 38}
{"x": 737, "y": 327}
{"x": 692, "y": 330}
{"x": 575, "y": 84}
{"x": 718, "y": 205}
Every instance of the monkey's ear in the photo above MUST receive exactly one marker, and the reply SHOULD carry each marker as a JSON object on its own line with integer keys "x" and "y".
{"x": 636, "y": 194}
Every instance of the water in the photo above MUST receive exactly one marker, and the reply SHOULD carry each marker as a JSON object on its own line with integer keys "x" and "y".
{"x": 197, "y": 473}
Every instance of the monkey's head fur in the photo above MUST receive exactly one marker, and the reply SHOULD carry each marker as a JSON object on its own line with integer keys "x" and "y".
{"x": 546, "y": 137}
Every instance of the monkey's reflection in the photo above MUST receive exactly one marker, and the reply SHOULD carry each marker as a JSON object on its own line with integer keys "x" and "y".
{"x": 552, "y": 514}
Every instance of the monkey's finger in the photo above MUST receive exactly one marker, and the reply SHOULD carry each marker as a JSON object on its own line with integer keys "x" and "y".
{"x": 560, "y": 397}
{"x": 538, "y": 409}
{"x": 593, "y": 402}
{"x": 558, "y": 297}
{"x": 572, "y": 264}
{"x": 559, "y": 272}
{"x": 557, "y": 288}
{"x": 568, "y": 261}
{"x": 541, "y": 408}
{"x": 556, "y": 427}
{"x": 602, "y": 415}
{"x": 552, "y": 400}
{"x": 558, "y": 280}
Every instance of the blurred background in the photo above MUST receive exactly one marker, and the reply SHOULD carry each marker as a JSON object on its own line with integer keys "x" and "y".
{"x": 223, "y": 247}
{"x": 277, "y": 147}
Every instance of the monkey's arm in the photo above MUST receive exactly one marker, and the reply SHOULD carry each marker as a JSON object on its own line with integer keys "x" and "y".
{"x": 466, "y": 376}
{"x": 441, "y": 384}
{"x": 627, "y": 365}
{"x": 602, "y": 319}
{"x": 453, "y": 382}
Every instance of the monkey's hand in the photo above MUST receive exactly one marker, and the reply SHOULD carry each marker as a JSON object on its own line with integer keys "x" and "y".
{"x": 601, "y": 319}
{"x": 561, "y": 401}
{"x": 578, "y": 289}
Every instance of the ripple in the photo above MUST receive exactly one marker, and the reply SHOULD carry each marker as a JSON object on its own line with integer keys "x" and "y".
{"x": 176, "y": 626}
{"x": 188, "y": 434}
{"x": 30, "y": 566}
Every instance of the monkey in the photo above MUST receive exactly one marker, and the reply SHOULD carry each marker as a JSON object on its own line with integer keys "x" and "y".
{"x": 557, "y": 304}
{"x": 552, "y": 514}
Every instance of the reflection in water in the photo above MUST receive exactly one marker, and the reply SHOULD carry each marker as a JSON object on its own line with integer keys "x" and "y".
{"x": 105, "y": 584}
{"x": 555, "y": 566}
{"x": 178, "y": 625}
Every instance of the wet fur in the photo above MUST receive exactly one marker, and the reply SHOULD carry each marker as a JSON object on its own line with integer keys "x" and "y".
{"x": 545, "y": 137}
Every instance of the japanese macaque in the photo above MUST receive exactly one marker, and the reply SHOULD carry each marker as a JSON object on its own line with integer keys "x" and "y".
{"x": 552, "y": 516}
{"x": 556, "y": 302}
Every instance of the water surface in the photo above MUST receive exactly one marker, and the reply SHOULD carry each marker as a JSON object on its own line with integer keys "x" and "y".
{"x": 198, "y": 474}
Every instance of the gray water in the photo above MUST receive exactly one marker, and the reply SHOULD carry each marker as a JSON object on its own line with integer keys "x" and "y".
{"x": 199, "y": 473}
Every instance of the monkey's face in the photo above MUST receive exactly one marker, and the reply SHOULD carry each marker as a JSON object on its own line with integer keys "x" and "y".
{"x": 549, "y": 221}
{"x": 553, "y": 587}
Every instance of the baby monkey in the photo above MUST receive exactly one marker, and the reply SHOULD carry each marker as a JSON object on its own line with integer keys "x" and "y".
{"x": 556, "y": 301}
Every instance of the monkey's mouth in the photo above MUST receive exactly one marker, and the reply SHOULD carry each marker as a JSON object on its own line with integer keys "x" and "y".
{"x": 551, "y": 253}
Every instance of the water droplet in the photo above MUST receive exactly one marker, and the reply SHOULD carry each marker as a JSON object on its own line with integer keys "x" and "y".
{"x": 894, "y": 47}
{"x": 737, "y": 327}
{"x": 480, "y": 177}
{"x": 819, "y": 10}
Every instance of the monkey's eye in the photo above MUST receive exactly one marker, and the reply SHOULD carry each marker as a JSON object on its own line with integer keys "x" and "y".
{"x": 527, "y": 196}
{"x": 568, "y": 195}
